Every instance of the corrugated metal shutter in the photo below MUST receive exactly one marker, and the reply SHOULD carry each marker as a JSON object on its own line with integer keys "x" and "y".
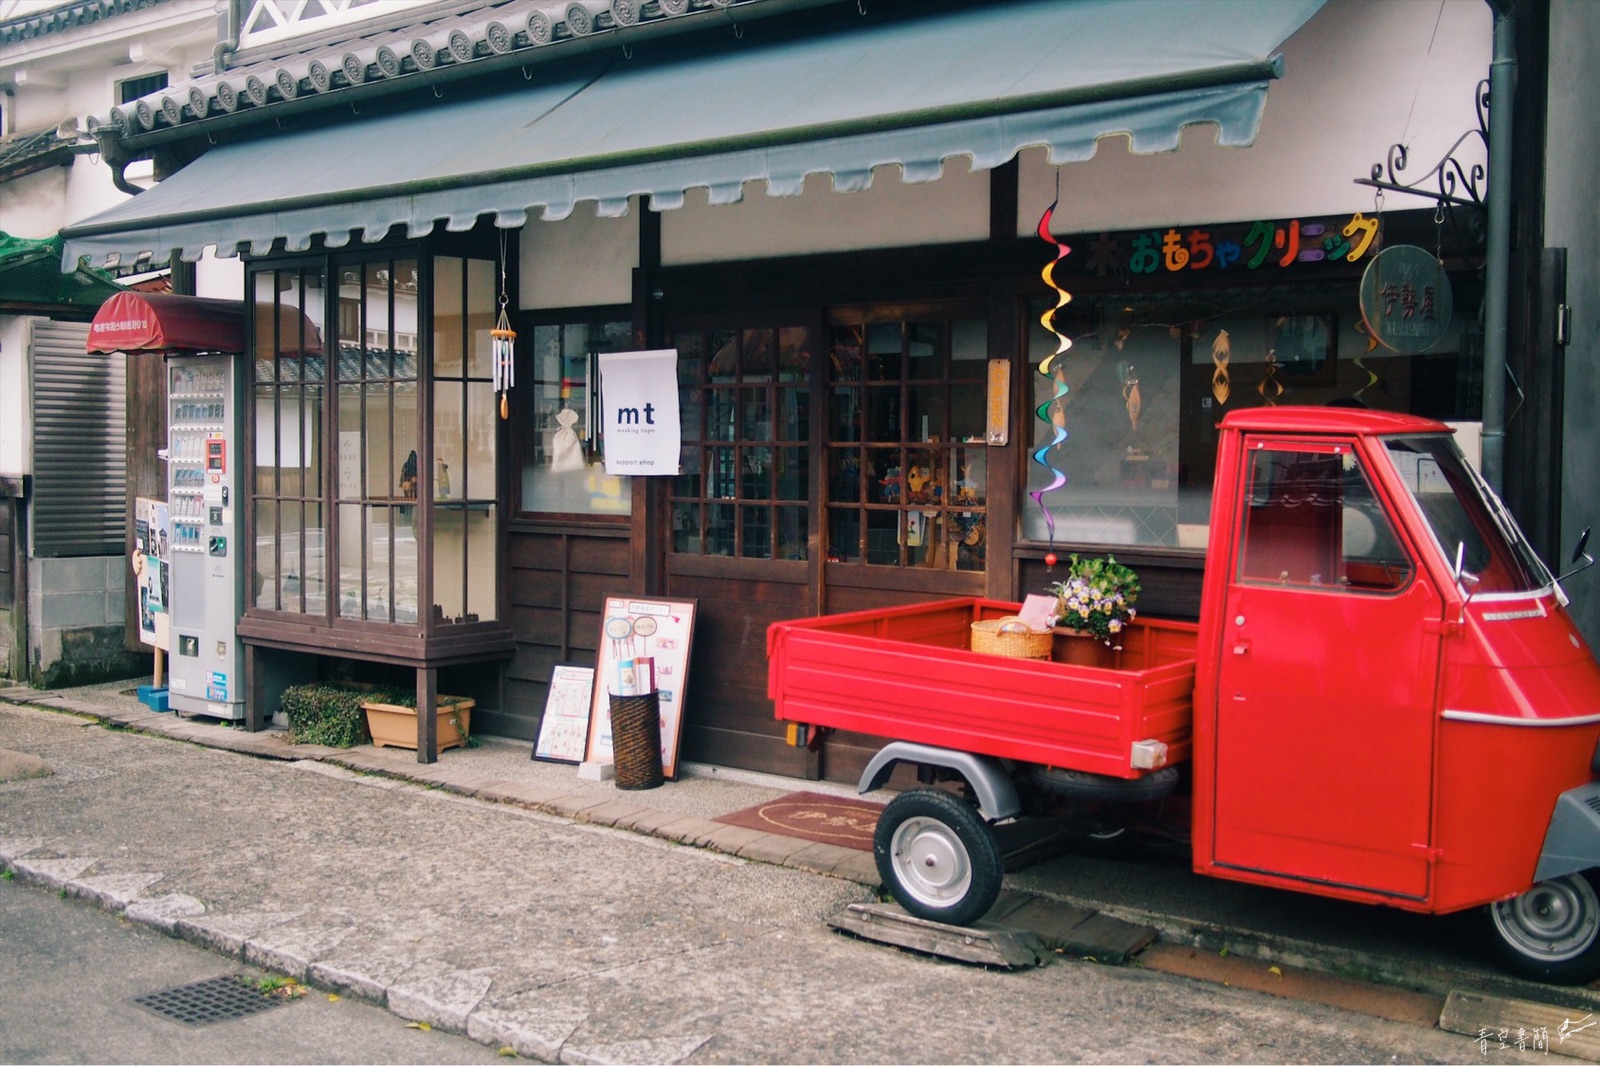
{"x": 79, "y": 443}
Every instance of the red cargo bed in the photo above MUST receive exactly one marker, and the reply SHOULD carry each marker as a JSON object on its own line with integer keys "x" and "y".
{"x": 908, "y": 673}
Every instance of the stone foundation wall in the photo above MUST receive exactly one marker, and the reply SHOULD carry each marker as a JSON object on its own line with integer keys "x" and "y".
{"x": 76, "y": 632}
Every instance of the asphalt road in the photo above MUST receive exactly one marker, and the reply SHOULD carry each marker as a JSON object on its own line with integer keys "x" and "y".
{"x": 72, "y": 972}
{"x": 571, "y": 942}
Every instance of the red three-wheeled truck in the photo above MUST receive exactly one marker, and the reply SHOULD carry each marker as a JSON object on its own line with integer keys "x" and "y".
{"x": 1383, "y": 700}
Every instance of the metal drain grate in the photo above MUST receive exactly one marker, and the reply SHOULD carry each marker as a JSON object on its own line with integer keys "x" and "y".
{"x": 217, "y": 999}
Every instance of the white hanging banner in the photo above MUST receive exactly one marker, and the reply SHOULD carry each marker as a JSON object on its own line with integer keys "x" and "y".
{"x": 639, "y": 411}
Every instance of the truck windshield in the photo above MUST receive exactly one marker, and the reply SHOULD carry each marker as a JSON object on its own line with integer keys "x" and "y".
{"x": 1465, "y": 515}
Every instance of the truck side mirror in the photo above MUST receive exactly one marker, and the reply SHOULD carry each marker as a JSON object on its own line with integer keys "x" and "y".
{"x": 1466, "y": 581}
{"x": 1579, "y": 553}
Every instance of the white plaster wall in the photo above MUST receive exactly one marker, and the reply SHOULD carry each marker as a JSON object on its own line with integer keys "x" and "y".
{"x": 33, "y": 206}
{"x": 16, "y": 453}
{"x": 888, "y": 213}
{"x": 1359, "y": 76}
{"x": 72, "y": 75}
{"x": 1572, "y": 221}
{"x": 581, "y": 261}
{"x": 219, "y": 279}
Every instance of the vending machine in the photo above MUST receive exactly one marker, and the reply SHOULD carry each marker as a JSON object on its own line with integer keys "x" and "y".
{"x": 205, "y": 423}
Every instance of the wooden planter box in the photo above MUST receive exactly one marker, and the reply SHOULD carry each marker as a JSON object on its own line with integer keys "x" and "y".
{"x": 393, "y": 726}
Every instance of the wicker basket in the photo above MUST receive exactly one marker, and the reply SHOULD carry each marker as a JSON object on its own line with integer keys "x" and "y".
{"x": 636, "y": 740}
{"x": 1010, "y": 638}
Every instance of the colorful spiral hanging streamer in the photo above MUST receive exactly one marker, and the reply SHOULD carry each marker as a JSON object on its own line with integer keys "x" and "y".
{"x": 1049, "y": 369}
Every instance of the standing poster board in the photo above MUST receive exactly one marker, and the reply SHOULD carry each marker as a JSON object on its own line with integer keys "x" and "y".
{"x": 660, "y": 631}
{"x": 564, "y": 729}
{"x": 150, "y": 572}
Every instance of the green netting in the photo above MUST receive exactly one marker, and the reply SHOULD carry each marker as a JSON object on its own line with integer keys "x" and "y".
{"x": 30, "y": 274}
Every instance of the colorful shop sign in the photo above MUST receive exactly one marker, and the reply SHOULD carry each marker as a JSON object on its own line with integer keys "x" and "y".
{"x": 1249, "y": 246}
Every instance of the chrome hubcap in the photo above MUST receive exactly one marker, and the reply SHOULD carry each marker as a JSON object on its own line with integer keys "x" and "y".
{"x": 1553, "y": 921}
{"x": 933, "y": 865}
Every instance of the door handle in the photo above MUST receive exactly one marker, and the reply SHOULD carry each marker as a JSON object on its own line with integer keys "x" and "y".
{"x": 1241, "y": 648}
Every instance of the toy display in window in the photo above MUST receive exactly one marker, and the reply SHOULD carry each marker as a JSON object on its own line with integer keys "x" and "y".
{"x": 966, "y": 486}
{"x": 408, "y": 477}
{"x": 891, "y": 484}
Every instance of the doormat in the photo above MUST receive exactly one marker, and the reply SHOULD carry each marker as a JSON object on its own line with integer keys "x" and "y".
{"x": 813, "y": 816}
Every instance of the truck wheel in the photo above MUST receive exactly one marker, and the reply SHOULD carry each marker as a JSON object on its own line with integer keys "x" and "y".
{"x": 1550, "y": 932}
{"x": 938, "y": 857}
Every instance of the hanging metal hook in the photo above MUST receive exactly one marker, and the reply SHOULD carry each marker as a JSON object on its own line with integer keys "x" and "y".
{"x": 437, "y": 95}
{"x": 627, "y": 50}
{"x": 526, "y": 73}
{"x": 861, "y": 7}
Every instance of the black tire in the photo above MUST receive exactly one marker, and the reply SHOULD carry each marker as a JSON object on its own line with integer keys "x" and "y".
{"x": 937, "y": 857}
{"x": 1549, "y": 933}
{"x": 1075, "y": 784}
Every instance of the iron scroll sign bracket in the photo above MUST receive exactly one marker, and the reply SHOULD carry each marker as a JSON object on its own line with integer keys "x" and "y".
{"x": 1451, "y": 178}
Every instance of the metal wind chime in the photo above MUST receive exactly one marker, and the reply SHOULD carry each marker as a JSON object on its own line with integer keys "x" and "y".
{"x": 503, "y": 346}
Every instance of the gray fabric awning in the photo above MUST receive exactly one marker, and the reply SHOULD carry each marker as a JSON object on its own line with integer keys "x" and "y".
{"x": 982, "y": 82}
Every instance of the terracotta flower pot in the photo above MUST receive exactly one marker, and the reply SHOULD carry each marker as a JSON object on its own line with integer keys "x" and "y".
{"x": 393, "y": 726}
{"x": 1082, "y": 648}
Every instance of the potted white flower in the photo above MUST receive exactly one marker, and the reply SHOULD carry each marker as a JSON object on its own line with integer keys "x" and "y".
{"x": 1096, "y": 598}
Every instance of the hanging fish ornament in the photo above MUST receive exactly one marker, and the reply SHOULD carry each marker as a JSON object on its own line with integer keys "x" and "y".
{"x": 1130, "y": 394}
{"x": 1220, "y": 353}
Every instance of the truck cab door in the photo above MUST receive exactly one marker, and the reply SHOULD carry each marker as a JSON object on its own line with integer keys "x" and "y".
{"x": 1326, "y": 684}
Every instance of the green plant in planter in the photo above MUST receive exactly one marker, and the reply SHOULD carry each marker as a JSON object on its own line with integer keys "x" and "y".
{"x": 325, "y": 713}
{"x": 404, "y": 697}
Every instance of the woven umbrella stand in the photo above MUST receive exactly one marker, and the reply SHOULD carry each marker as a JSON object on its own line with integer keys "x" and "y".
{"x": 636, "y": 740}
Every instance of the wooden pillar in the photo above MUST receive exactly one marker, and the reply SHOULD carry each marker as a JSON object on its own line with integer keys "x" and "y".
{"x": 427, "y": 715}
{"x": 255, "y": 690}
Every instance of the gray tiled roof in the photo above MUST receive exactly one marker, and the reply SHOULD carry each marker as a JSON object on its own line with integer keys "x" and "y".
{"x": 67, "y": 16}
{"x": 446, "y": 41}
{"x": 23, "y": 153}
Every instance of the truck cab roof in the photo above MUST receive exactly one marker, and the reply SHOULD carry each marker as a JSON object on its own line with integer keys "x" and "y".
{"x": 1355, "y": 420}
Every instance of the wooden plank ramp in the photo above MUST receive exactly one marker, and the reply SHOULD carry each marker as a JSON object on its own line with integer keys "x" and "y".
{"x": 982, "y": 944}
{"x": 1521, "y": 1024}
{"x": 1020, "y": 930}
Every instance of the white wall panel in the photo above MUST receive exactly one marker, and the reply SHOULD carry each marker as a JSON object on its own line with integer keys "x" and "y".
{"x": 219, "y": 279}
{"x": 889, "y": 213}
{"x": 581, "y": 261}
{"x": 16, "y": 392}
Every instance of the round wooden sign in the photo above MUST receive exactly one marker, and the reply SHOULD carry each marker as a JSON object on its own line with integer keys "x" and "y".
{"x": 1406, "y": 299}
